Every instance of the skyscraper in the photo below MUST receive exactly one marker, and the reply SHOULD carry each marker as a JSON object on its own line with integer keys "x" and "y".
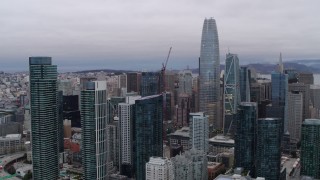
{"x": 232, "y": 83}
{"x": 279, "y": 97}
{"x": 199, "y": 131}
{"x": 150, "y": 83}
{"x": 44, "y": 117}
{"x": 231, "y": 91}
{"x": 295, "y": 104}
{"x": 245, "y": 77}
{"x": 245, "y": 136}
{"x": 126, "y": 125}
{"x": 94, "y": 125}
{"x": 310, "y": 148}
{"x": 148, "y": 133}
{"x": 133, "y": 82}
{"x": 209, "y": 73}
{"x": 268, "y": 145}
{"x": 305, "y": 90}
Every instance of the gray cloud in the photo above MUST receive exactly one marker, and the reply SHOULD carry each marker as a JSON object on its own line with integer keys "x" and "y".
{"x": 138, "y": 34}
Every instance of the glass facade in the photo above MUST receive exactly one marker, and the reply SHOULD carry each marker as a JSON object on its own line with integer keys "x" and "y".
{"x": 150, "y": 83}
{"x": 245, "y": 136}
{"x": 209, "y": 73}
{"x": 279, "y": 93}
{"x": 94, "y": 125}
{"x": 245, "y": 77}
{"x": 231, "y": 86}
{"x": 268, "y": 154}
{"x": 44, "y": 118}
{"x": 148, "y": 133}
{"x": 310, "y": 148}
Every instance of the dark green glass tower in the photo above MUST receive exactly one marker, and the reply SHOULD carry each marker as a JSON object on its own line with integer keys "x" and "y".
{"x": 268, "y": 154}
{"x": 245, "y": 136}
{"x": 44, "y": 118}
{"x": 148, "y": 133}
{"x": 310, "y": 148}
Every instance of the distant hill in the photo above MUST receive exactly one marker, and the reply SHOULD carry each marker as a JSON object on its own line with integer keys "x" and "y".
{"x": 312, "y": 66}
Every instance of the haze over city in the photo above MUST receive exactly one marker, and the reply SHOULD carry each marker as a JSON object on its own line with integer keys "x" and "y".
{"x": 136, "y": 35}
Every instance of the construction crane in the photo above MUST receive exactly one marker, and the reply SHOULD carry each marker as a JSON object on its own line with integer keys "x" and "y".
{"x": 163, "y": 73}
{"x": 163, "y": 88}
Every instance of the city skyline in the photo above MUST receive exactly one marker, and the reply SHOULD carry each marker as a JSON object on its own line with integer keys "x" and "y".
{"x": 89, "y": 35}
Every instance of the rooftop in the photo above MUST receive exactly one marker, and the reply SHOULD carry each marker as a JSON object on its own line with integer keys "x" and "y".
{"x": 222, "y": 139}
{"x": 312, "y": 122}
{"x": 184, "y": 131}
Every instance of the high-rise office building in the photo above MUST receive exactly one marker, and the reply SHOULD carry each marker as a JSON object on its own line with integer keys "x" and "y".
{"x": 305, "y": 78}
{"x": 113, "y": 146}
{"x": 209, "y": 73}
{"x": 44, "y": 117}
{"x": 182, "y": 167}
{"x": 279, "y": 94}
{"x": 245, "y": 136}
{"x": 305, "y": 90}
{"x": 231, "y": 91}
{"x": 159, "y": 168}
{"x": 182, "y": 110}
{"x": 94, "y": 130}
{"x": 71, "y": 110}
{"x": 245, "y": 77}
{"x": 127, "y": 129}
{"x": 148, "y": 133}
{"x": 199, "y": 131}
{"x": 232, "y": 84}
{"x": 185, "y": 82}
{"x": 295, "y": 107}
{"x": 133, "y": 82}
{"x": 150, "y": 83}
{"x": 60, "y": 122}
{"x": 268, "y": 154}
{"x": 310, "y": 148}
{"x": 315, "y": 96}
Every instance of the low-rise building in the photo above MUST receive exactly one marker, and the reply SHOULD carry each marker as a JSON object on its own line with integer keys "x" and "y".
{"x": 220, "y": 144}
{"x": 11, "y": 143}
{"x": 181, "y": 137}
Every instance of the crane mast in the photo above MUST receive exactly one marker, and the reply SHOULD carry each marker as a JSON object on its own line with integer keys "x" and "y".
{"x": 163, "y": 86}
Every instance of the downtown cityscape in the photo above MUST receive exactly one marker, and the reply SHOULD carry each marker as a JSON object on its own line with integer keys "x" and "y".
{"x": 221, "y": 119}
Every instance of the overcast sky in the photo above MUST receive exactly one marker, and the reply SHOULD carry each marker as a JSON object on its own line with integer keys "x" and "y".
{"x": 137, "y": 34}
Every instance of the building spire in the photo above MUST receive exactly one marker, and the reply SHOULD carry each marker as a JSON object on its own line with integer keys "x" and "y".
{"x": 280, "y": 64}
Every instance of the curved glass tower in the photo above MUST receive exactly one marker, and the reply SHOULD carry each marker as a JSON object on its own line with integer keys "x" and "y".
{"x": 209, "y": 73}
{"x": 44, "y": 117}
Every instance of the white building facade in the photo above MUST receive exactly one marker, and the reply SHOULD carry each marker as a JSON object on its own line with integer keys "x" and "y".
{"x": 159, "y": 168}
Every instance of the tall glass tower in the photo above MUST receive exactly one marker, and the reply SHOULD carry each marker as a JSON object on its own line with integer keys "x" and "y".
{"x": 245, "y": 77}
{"x": 94, "y": 125}
{"x": 310, "y": 148}
{"x": 148, "y": 133}
{"x": 245, "y": 136}
{"x": 268, "y": 154}
{"x": 232, "y": 84}
{"x": 209, "y": 73}
{"x": 231, "y": 91}
{"x": 150, "y": 83}
{"x": 44, "y": 117}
